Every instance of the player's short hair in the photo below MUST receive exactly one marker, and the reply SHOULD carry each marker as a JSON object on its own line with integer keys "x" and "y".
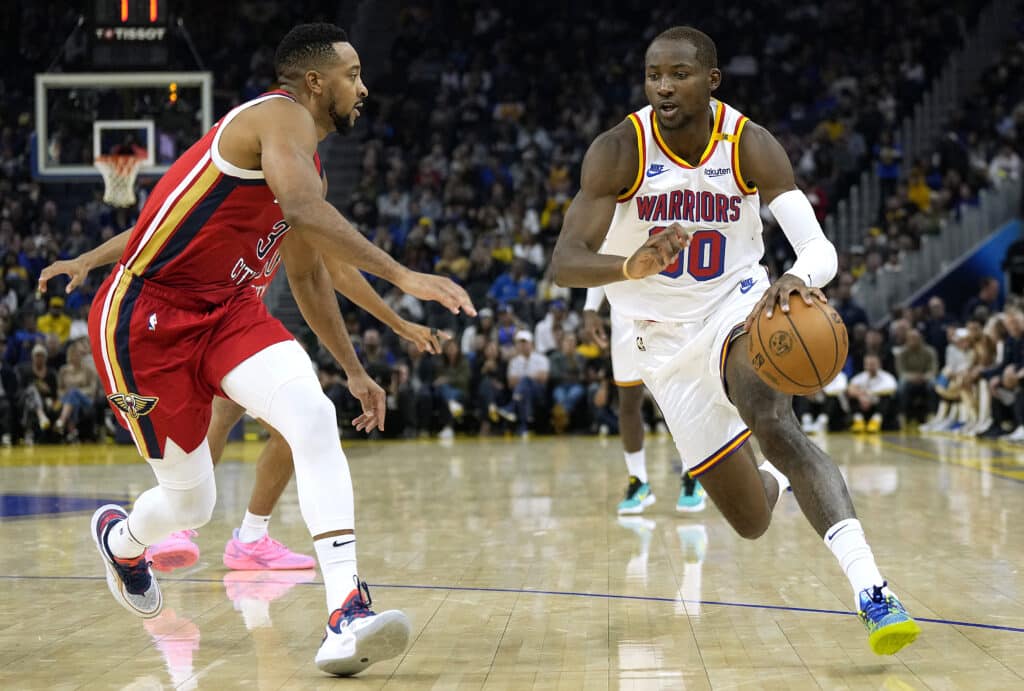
{"x": 306, "y": 46}
{"x": 707, "y": 53}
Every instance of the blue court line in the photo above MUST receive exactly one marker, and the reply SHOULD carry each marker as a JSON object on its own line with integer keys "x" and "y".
{"x": 566, "y": 593}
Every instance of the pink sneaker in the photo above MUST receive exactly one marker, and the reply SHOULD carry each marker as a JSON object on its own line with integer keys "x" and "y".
{"x": 265, "y": 553}
{"x": 176, "y": 552}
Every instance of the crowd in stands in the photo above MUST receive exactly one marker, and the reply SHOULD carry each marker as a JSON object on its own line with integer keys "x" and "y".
{"x": 470, "y": 152}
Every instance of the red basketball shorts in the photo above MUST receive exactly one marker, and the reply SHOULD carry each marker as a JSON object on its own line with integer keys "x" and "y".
{"x": 161, "y": 355}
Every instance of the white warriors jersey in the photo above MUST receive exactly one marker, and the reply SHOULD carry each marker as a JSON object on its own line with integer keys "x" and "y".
{"x": 709, "y": 199}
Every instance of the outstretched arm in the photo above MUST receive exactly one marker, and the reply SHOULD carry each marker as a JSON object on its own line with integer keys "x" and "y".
{"x": 79, "y": 267}
{"x": 287, "y": 141}
{"x": 609, "y": 168}
{"x": 314, "y": 294}
{"x": 348, "y": 281}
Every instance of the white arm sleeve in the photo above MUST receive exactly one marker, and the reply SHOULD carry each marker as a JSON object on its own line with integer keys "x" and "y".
{"x": 595, "y": 298}
{"x": 816, "y": 260}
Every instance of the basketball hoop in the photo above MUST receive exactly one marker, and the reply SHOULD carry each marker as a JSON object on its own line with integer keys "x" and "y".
{"x": 119, "y": 173}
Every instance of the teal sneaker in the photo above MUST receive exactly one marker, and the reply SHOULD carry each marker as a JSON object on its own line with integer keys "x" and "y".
{"x": 890, "y": 628}
{"x": 691, "y": 496}
{"x": 638, "y": 497}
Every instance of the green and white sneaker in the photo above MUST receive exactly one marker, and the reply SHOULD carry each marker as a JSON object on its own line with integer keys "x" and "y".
{"x": 691, "y": 496}
{"x": 638, "y": 497}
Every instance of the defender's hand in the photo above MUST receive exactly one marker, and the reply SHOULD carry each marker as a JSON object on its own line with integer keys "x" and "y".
{"x": 372, "y": 398}
{"x": 423, "y": 337}
{"x": 779, "y": 292}
{"x": 439, "y": 289}
{"x": 77, "y": 269}
{"x": 593, "y": 326}
{"x": 658, "y": 252}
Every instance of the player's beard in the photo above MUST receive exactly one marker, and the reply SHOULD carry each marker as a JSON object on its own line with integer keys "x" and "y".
{"x": 342, "y": 123}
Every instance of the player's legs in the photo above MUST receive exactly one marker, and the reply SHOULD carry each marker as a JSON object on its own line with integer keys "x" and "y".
{"x": 278, "y": 385}
{"x": 823, "y": 497}
{"x": 250, "y": 546}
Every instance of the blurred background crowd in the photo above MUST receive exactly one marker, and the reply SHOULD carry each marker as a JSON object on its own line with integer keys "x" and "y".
{"x": 468, "y": 155}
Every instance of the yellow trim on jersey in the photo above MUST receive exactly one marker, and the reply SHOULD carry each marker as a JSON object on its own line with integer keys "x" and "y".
{"x": 720, "y": 455}
{"x": 641, "y": 159}
{"x": 627, "y": 384}
{"x": 712, "y": 141}
{"x": 740, "y": 181}
{"x": 173, "y": 218}
{"x": 110, "y": 329}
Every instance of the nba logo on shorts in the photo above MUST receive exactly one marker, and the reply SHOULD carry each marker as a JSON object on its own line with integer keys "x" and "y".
{"x": 640, "y": 343}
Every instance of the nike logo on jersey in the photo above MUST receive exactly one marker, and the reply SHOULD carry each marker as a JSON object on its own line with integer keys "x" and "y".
{"x": 656, "y": 169}
{"x": 746, "y": 284}
{"x": 717, "y": 172}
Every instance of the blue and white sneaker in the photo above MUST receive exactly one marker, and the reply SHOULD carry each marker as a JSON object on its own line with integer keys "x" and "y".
{"x": 691, "y": 496}
{"x": 890, "y": 628}
{"x": 638, "y": 497}
{"x": 356, "y": 636}
{"x": 130, "y": 581}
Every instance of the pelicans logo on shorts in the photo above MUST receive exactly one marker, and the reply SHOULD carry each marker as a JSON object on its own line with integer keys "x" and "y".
{"x": 133, "y": 405}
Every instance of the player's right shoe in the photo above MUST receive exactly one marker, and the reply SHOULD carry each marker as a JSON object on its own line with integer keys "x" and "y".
{"x": 130, "y": 581}
{"x": 263, "y": 554}
{"x": 691, "y": 496}
{"x": 356, "y": 636}
{"x": 890, "y": 628}
{"x": 177, "y": 551}
{"x": 638, "y": 497}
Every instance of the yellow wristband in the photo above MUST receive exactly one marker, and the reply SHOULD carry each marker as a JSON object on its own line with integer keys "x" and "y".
{"x": 624, "y": 272}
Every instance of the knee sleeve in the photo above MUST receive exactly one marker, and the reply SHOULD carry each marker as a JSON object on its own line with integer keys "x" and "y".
{"x": 183, "y": 499}
{"x": 278, "y": 385}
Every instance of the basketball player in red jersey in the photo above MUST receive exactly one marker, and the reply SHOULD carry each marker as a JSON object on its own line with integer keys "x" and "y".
{"x": 177, "y": 323}
{"x": 251, "y": 547}
{"x": 678, "y": 245}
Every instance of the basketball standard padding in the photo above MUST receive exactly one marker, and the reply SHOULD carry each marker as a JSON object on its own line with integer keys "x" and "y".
{"x": 800, "y": 352}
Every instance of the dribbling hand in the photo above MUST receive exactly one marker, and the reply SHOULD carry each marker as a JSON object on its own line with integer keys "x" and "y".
{"x": 660, "y": 250}
{"x": 779, "y": 292}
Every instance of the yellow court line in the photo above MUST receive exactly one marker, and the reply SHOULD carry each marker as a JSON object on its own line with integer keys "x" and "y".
{"x": 971, "y": 462}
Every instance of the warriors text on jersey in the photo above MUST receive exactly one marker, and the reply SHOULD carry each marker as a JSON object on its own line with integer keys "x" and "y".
{"x": 710, "y": 199}
{"x": 209, "y": 227}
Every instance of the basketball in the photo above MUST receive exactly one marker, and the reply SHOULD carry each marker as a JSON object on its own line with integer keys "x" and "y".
{"x": 800, "y": 352}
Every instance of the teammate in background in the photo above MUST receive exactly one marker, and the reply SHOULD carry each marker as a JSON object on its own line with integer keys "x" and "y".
{"x": 178, "y": 323}
{"x": 631, "y": 400}
{"x": 250, "y": 547}
{"x": 668, "y": 219}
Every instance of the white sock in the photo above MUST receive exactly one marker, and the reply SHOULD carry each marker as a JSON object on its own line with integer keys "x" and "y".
{"x": 253, "y": 527}
{"x": 122, "y": 543}
{"x": 846, "y": 540}
{"x": 337, "y": 557}
{"x": 779, "y": 477}
{"x": 636, "y": 463}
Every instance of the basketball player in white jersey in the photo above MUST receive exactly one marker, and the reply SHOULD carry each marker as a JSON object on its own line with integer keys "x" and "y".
{"x": 673, "y": 195}
{"x": 630, "y": 385}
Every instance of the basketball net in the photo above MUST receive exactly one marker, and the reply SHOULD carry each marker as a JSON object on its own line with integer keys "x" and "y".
{"x": 119, "y": 173}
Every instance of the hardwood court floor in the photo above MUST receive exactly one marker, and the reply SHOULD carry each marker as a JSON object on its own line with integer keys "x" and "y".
{"x": 517, "y": 575}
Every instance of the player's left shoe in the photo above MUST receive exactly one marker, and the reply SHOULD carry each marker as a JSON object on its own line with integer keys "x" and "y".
{"x": 176, "y": 552}
{"x": 130, "y": 581}
{"x": 356, "y": 636}
{"x": 890, "y": 628}
{"x": 691, "y": 496}
{"x": 638, "y": 497}
{"x": 263, "y": 554}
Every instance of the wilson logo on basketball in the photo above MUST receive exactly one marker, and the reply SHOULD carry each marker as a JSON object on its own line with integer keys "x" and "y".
{"x": 132, "y": 404}
{"x": 780, "y": 343}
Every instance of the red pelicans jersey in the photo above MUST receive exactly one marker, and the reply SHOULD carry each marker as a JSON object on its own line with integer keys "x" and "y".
{"x": 710, "y": 199}
{"x": 209, "y": 227}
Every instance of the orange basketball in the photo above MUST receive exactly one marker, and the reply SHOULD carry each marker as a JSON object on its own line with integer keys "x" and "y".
{"x": 800, "y": 352}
